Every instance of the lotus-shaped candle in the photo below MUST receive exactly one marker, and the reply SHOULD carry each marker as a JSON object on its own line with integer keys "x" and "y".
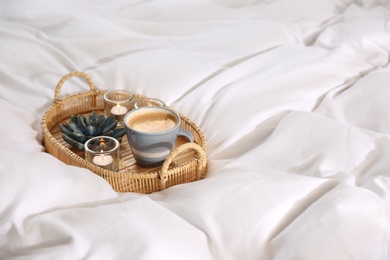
{"x": 80, "y": 129}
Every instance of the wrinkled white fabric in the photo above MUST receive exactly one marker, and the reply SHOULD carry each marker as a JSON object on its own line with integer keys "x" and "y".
{"x": 292, "y": 97}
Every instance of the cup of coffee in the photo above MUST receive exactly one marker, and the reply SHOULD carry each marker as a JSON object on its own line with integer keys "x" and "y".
{"x": 152, "y": 132}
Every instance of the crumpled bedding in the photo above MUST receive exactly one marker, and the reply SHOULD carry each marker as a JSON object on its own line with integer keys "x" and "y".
{"x": 293, "y": 100}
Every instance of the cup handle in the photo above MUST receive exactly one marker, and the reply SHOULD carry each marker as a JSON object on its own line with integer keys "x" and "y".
{"x": 186, "y": 134}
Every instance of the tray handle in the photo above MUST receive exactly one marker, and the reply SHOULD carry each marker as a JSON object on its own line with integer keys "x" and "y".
{"x": 66, "y": 77}
{"x": 165, "y": 167}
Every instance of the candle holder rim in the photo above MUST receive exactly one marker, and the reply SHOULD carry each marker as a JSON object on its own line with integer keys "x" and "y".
{"x": 104, "y": 152}
{"x": 153, "y": 99}
{"x": 105, "y": 96}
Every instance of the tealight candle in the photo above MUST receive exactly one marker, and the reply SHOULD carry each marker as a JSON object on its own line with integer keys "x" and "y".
{"x": 118, "y": 110}
{"x": 102, "y": 160}
{"x": 118, "y": 103}
{"x": 103, "y": 151}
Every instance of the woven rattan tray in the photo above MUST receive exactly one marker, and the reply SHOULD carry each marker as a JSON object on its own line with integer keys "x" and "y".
{"x": 186, "y": 163}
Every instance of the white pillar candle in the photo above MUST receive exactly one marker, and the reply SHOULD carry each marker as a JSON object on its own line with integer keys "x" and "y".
{"x": 118, "y": 110}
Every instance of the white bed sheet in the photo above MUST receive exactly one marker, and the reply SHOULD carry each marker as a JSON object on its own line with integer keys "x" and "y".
{"x": 293, "y": 99}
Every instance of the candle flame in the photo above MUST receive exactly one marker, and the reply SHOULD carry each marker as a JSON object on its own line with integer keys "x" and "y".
{"x": 102, "y": 143}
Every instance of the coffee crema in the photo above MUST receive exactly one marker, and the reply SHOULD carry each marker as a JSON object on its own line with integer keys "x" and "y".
{"x": 152, "y": 122}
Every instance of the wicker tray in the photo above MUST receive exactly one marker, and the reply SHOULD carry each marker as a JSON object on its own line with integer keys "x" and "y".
{"x": 186, "y": 163}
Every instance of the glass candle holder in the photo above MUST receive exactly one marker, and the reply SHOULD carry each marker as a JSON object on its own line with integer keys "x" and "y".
{"x": 118, "y": 103}
{"x": 103, "y": 151}
{"x": 148, "y": 102}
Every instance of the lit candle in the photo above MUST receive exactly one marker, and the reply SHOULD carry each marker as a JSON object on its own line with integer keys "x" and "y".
{"x": 102, "y": 160}
{"x": 118, "y": 110}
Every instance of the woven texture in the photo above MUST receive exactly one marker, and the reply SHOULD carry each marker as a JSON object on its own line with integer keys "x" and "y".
{"x": 186, "y": 163}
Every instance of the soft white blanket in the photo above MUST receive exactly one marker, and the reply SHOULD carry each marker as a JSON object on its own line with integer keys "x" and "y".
{"x": 293, "y": 99}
